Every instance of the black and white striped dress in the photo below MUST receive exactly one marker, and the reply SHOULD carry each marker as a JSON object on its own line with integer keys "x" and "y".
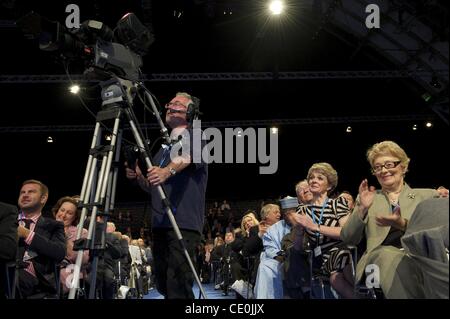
{"x": 334, "y": 257}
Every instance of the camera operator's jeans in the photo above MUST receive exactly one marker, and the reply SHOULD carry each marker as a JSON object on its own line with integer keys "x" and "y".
{"x": 174, "y": 278}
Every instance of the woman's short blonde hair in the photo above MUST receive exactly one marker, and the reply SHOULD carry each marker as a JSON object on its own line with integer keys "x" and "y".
{"x": 252, "y": 216}
{"x": 327, "y": 170}
{"x": 388, "y": 148}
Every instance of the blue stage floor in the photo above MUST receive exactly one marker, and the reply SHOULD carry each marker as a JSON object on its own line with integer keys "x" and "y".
{"x": 209, "y": 290}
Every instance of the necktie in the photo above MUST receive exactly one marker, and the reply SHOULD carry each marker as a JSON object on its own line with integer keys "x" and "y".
{"x": 25, "y": 222}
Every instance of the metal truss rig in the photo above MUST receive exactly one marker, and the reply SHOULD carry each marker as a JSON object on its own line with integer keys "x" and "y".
{"x": 226, "y": 76}
{"x": 239, "y": 123}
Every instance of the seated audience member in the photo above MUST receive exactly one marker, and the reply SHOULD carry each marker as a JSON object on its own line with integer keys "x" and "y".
{"x": 304, "y": 195}
{"x": 269, "y": 280}
{"x": 296, "y": 267}
{"x": 215, "y": 260}
{"x": 248, "y": 221}
{"x": 231, "y": 261}
{"x": 8, "y": 243}
{"x": 426, "y": 241}
{"x": 253, "y": 245}
{"x": 66, "y": 211}
{"x": 350, "y": 201}
{"x": 109, "y": 253}
{"x": 42, "y": 242}
{"x": 382, "y": 217}
{"x": 322, "y": 221}
{"x": 124, "y": 267}
{"x": 136, "y": 266}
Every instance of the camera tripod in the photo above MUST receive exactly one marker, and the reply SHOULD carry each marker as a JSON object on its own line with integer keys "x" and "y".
{"x": 99, "y": 184}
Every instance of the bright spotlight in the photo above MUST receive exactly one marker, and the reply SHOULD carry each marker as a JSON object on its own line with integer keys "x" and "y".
{"x": 429, "y": 125}
{"x": 414, "y": 127}
{"x": 349, "y": 129}
{"x": 274, "y": 130}
{"x": 276, "y": 7}
{"x": 49, "y": 139}
{"x": 74, "y": 89}
{"x": 108, "y": 137}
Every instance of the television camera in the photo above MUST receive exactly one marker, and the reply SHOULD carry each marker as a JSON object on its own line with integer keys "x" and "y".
{"x": 104, "y": 50}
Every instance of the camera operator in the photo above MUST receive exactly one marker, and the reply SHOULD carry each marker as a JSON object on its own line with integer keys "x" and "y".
{"x": 185, "y": 185}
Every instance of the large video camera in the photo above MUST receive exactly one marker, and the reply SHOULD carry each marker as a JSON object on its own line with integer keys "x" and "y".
{"x": 105, "y": 51}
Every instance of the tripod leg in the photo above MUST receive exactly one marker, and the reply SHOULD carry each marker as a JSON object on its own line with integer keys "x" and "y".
{"x": 84, "y": 199}
{"x": 100, "y": 197}
{"x": 112, "y": 180}
{"x": 98, "y": 186}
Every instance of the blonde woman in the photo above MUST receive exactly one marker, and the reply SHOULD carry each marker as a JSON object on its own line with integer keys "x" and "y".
{"x": 248, "y": 221}
{"x": 381, "y": 216}
{"x": 322, "y": 221}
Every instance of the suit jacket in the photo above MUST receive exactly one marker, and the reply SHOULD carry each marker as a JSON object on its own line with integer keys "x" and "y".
{"x": 8, "y": 232}
{"x": 426, "y": 241}
{"x": 49, "y": 245}
{"x": 355, "y": 227}
{"x": 8, "y": 241}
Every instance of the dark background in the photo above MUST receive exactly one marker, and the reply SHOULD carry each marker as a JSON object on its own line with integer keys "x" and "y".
{"x": 204, "y": 39}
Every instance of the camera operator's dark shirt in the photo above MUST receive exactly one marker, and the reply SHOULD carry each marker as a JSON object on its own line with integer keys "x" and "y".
{"x": 185, "y": 191}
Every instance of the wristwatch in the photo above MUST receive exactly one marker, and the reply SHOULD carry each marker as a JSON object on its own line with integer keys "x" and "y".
{"x": 172, "y": 171}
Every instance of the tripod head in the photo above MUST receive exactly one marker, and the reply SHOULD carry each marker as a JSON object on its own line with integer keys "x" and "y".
{"x": 117, "y": 91}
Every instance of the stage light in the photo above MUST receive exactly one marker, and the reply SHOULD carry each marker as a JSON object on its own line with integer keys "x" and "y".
{"x": 276, "y": 7}
{"x": 349, "y": 129}
{"x": 239, "y": 133}
{"x": 274, "y": 130}
{"x": 414, "y": 127}
{"x": 429, "y": 124}
{"x": 49, "y": 139}
{"x": 435, "y": 82}
{"x": 74, "y": 89}
{"x": 108, "y": 137}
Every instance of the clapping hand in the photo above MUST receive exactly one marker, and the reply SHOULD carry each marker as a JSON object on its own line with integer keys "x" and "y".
{"x": 366, "y": 194}
{"x": 305, "y": 221}
{"x": 395, "y": 220}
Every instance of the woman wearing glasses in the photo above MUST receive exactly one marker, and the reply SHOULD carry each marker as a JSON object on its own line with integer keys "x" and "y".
{"x": 381, "y": 216}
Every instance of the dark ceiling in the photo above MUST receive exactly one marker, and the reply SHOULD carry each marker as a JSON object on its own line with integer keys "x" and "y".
{"x": 202, "y": 36}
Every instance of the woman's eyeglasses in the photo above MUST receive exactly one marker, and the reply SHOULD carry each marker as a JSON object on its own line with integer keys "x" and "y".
{"x": 387, "y": 165}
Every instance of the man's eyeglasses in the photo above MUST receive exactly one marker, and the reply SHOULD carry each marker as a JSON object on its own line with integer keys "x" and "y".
{"x": 176, "y": 104}
{"x": 387, "y": 165}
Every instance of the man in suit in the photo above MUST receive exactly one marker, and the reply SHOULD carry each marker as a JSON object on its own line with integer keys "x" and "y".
{"x": 8, "y": 241}
{"x": 41, "y": 242}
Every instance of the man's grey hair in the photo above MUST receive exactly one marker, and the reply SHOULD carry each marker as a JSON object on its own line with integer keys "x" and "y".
{"x": 298, "y": 185}
{"x": 184, "y": 94}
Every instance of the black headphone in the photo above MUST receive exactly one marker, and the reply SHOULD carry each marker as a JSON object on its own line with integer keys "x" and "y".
{"x": 193, "y": 110}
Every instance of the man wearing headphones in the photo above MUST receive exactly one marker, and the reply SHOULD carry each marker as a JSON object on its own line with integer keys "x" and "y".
{"x": 185, "y": 184}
